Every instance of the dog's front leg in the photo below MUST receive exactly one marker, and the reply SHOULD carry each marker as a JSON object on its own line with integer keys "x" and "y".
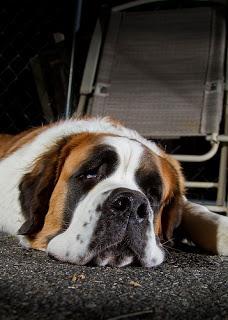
{"x": 205, "y": 228}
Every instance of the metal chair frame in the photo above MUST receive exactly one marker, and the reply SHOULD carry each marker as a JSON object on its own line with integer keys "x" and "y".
{"x": 88, "y": 87}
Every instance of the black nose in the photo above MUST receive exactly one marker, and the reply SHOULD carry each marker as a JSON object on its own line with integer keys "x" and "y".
{"x": 124, "y": 200}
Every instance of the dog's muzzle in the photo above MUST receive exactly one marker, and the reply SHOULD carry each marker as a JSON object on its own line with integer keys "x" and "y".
{"x": 123, "y": 230}
{"x": 123, "y": 233}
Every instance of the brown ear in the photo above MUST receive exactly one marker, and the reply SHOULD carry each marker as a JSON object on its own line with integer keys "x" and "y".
{"x": 36, "y": 188}
{"x": 171, "y": 217}
{"x": 170, "y": 214}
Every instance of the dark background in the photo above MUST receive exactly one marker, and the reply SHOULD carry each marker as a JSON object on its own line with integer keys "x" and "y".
{"x": 27, "y": 30}
{"x": 27, "y": 33}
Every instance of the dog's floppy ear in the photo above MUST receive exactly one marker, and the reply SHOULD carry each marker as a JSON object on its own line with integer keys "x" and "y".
{"x": 36, "y": 188}
{"x": 170, "y": 215}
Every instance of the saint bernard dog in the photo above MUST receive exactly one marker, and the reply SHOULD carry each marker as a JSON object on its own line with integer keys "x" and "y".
{"x": 92, "y": 191}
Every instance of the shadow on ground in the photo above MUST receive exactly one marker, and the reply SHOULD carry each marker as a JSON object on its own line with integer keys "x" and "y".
{"x": 187, "y": 286}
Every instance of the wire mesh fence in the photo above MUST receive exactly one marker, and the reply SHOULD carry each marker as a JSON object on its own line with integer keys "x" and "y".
{"x": 26, "y": 30}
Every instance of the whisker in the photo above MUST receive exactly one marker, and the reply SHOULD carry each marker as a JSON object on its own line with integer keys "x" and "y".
{"x": 172, "y": 248}
{"x": 167, "y": 251}
{"x": 172, "y": 239}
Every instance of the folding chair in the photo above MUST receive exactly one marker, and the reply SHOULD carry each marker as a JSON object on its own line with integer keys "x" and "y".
{"x": 162, "y": 73}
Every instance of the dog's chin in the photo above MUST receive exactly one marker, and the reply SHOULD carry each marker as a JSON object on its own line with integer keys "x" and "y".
{"x": 119, "y": 254}
{"x": 109, "y": 258}
{"x": 114, "y": 256}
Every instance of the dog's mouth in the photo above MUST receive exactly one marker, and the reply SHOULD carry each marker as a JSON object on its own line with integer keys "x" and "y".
{"x": 111, "y": 258}
{"x": 118, "y": 240}
{"x": 115, "y": 256}
{"x": 123, "y": 254}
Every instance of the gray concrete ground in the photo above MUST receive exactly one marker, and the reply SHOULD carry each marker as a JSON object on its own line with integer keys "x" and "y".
{"x": 187, "y": 286}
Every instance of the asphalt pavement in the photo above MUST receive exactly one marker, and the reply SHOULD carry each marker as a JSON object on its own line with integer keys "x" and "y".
{"x": 189, "y": 285}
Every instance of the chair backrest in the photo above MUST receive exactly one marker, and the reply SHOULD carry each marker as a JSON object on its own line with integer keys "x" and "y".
{"x": 162, "y": 72}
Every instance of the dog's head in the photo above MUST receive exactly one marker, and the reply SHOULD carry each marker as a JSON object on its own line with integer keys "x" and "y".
{"x": 102, "y": 198}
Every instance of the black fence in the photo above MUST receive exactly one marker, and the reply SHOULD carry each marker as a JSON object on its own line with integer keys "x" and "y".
{"x": 26, "y": 31}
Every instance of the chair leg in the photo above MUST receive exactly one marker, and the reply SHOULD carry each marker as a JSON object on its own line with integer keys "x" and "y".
{"x": 222, "y": 194}
{"x": 81, "y": 106}
{"x": 70, "y": 93}
{"x": 222, "y": 179}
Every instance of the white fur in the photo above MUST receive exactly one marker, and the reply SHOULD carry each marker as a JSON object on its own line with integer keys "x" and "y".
{"x": 130, "y": 153}
{"x": 153, "y": 255}
{"x": 222, "y": 236}
{"x": 111, "y": 261}
{"x": 17, "y": 164}
{"x": 126, "y": 261}
{"x": 66, "y": 246}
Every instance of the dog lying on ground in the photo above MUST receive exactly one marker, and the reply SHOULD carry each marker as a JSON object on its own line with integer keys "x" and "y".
{"x": 91, "y": 190}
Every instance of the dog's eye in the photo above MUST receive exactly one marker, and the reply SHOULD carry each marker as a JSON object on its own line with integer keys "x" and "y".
{"x": 90, "y": 174}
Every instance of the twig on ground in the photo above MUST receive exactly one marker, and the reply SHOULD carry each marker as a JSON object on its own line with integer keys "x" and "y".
{"x": 129, "y": 315}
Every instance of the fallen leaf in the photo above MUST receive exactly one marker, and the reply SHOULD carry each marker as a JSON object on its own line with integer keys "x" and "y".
{"x": 78, "y": 277}
{"x": 135, "y": 284}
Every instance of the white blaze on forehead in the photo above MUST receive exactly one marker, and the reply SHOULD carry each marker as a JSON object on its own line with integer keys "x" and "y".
{"x": 129, "y": 155}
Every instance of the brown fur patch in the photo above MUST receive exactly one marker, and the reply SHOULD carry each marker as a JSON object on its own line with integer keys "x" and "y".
{"x": 73, "y": 154}
{"x": 172, "y": 177}
{"x": 5, "y": 140}
{"x": 11, "y": 143}
{"x": 37, "y": 186}
{"x": 171, "y": 210}
{"x": 54, "y": 218}
{"x": 116, "y": 123}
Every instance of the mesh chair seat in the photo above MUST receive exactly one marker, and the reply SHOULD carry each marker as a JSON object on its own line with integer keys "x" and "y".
{"x": 162, "y": 72}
